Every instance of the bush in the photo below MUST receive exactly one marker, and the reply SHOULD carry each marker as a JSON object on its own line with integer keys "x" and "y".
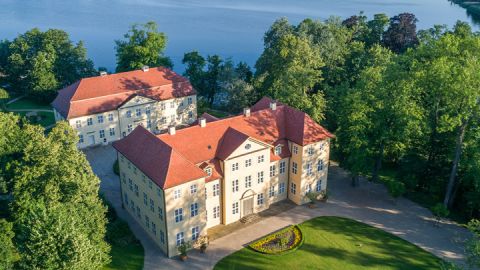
{"x": 116, "y": 168}
{"x": 395, "y": 188}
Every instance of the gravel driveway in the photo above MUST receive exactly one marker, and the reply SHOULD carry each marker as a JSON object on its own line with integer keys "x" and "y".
{"x": 369, "y": 203}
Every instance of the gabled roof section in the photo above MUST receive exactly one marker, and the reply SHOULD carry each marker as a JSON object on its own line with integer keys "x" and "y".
{"x": 231, "y": 140}
{"x": 156, "y": 159}
{"x": 104, "y": 93}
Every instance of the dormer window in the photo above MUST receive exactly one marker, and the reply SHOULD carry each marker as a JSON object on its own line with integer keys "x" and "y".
{"x": 278, "y": 150}
{"x": 208, "y": 171}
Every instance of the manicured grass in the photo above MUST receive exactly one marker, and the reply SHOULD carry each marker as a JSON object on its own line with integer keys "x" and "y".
{"x": 27, "y": 103}
{"x": 126, "y": 257}
{"x": 218, "y": 114}
{"x": 334, "y": 243}
{"x": 46, "y": 118}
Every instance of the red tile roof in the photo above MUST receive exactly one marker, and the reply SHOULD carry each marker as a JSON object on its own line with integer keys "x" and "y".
{"x": 206, "y": 145}
{"x": 106, "y": 93}
{"x": 156, "y": 159}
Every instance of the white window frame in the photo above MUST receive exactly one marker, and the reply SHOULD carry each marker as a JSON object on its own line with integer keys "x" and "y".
{"x": 178, "y": 215}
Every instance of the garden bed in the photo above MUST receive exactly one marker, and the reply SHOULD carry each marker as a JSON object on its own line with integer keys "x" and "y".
{"x": 279, "y": 242}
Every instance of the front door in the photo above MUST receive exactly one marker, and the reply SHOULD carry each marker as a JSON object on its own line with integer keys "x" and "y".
{"x": 91, "y": 139}
{"x": 248, "y": 206}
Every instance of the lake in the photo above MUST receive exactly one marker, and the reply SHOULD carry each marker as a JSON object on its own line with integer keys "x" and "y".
{"x": 225, "y": 27}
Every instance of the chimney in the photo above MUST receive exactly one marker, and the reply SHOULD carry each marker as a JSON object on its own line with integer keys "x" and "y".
{"x": 171, "y": 130}
{"x": 145, "y": 68}
{"x": 202, "y": 122}
{"x": 103, "y": 73}
{"x": 246, "y": 112}
{"x": 273, "y": 105}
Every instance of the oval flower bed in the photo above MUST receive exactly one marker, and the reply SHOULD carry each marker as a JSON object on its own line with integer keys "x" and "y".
{"x": 278, "y": 242}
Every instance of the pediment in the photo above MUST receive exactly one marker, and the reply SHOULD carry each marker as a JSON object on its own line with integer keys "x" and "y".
{"x": 136, "y": 100}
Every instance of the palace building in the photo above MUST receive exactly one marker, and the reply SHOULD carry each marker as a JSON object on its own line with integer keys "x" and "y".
{"x": 217, "y": 171}
{"x": 108, "y": 107}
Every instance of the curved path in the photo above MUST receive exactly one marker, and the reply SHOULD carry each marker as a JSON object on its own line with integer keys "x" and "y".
{"x": 369, "y": 203}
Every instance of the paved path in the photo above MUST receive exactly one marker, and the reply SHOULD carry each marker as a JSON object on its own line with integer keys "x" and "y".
{"x": 368, "y": 203}
{"x": 15, "y": 99}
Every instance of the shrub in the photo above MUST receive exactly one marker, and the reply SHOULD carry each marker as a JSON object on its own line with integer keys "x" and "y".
{"x": 395, "y": 188}
{"x": 183, "y": 248}
{"x": 287, "y": 239}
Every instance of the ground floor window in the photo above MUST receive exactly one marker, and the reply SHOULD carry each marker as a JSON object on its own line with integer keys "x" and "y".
{"x": 180, "y": 239}
{"x": 216, "y": 212}
{"x": 293, "y": 188}
{"x": 162, "y": 237}
{"x": 195, "y": 233}
{"x": 319, "y": 186}
{"x": 260, "y": 199}
{"x": 281, "y": 188}
{"x": 235, "y": 208}
{"x": 271, "y": 191}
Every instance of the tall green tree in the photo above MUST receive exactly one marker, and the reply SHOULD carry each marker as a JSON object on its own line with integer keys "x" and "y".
{"x": 39, "y": 63}
{"x": 8, "y": 252}
{"x": 143, "y": 45}
{"x": 401, "y": 33}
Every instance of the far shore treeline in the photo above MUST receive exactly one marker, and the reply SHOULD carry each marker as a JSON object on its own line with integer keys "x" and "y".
{"x": 403, "y": 103}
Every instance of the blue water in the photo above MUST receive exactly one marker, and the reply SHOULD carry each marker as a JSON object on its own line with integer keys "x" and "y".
{"x": 230, "y": 28}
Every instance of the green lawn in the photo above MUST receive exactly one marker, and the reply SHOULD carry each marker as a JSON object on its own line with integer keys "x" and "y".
{"x": 27, "y": 103}
{"x": 128, "y": 257}
{"x": 334, "y": 243}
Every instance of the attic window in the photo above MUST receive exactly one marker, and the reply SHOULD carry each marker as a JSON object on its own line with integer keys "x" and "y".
{"x": 208, "y": 171}
{"x": 248, "y": 146}
{"x": 278, "y": 150}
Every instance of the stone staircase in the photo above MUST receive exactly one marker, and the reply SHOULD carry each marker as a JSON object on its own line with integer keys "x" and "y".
{"x": 250, "y": 218}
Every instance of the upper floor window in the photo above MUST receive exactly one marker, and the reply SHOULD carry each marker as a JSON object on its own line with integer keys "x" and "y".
{"x": 248, "y": 181}
{"x": 149, "y": 123}
{"x": 193, "y": 209}
{"x": 129, "y": 114}
{"x": 320, "y": 165}
{"x": 273, "y": 170}
{"x": 278, "y": 150}
{"x": 159, "y": 192}
{"x": 248, "y": 162}
{"x": 163, "y": 120}
{"x": 110, "y": 117}
{"x": 208, "y": 171}
{"x": 190, "y": 114}
{"x": 261, "y": 159}
{"x": 310, "y": 151}
{"x": 145, "y": 198}
{"x": 235, "y": 185}
{"x": 294, "y": 167}
{"x": 282, "y": 167}
{"x": 234, "y": 167}
{"x": 152, "y": 205}
{"x": 271, "y": 191}
{"x": 136, "y": 190}
{"x": 260, "y": 199}
{"x": 138, "y": 112}
{"x": 112, "y": 131}
{"x": 89, "y": 121}
{"x": 260, "y": 177}
{"x": 309, "y": 169}
{"x": 295, "y": 149}
{"x": 172, "y": 105}
{"x": 101, "y": 133}
{"x": 148, "y": 111}
{"x": 129, "y": 127}
{"x": 189, "y": 100}
{"x": 160, "y": 213}
{"x": 193, "y": 188}
{"x": 177, "y": 193}
{"x": 100, "y": 119}
{"x": 178, "y": 213}
{"x": 78, "y": 124}
{"x": 181, "y": 103}
{"x": 216, "y": 189}
{"x": 80, "y": 138}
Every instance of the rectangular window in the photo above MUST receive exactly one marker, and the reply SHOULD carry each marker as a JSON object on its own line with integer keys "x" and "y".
{"x": 110, "y": 117}
{"x": 309, "y": 169}
{"x": 177, "y": 194}
{"x": 216, "y": 212}
{"x": 172, "y": 118}
{"x": 132, "y": 206}
{"x": 152, "y": 205}
{"x": 260, "y": 177}
{"x": 123, "y": 178}
{"x": 89, "y": 121}
{"x": 172, "y": 105}
{"x": 310, "y": 151}
{"x": 145, "y": 199}
{"x": 147, "y": 221}
{"x": 162, "y": 106}
{"x": 100, "y": 119}
{"x": 193, "y": 189}
{"x": 190, "y": 114}
{"x": 180, "y": 239}
{"x": 293, "y": 188}
{"x": 162, "y": 237}
{"x": 178, "y": 214}
{"x": 129, "y": 127}
{"x": 102, "y": 133}
{"x": 112, "y": 132}
{"x": 78, "y": 123}
{"x": 248, "y": 181}
{"x": 318, "y": 187}
{"x": 139, "y": 214}
{"x": 136, "y": 190}
{"x": 282, "y": 167}
{"x": 193, "y": 209}
{"x": 150, "y": 183}
{"x": 320, "y": 165}
{"x": 208, "y": 171}
{"x": 260, "y": 199}
{"x": 154, "y": 228}
{"x": 248, "y": 162}
{"x": 294, "y": 168}
{"x": 149, "y": 123}
{"x": 159, "y": 192}
{"x": 163, "y": 120}
{"x": 148, "y": 111}
{"x": 271, "y": 191}
{"x": 308, "y": 189}
{"x": 138, "y": 112}
{"x": 80, "y": 138}
{"x": 278, "y": 150}
{"x": 261, "y": 159}
{"x": 160, "y": 213}
{"x": 235, "y": 185}
{"x": 235, "y": 208}
{"x": 216, "y": 190}
{"x": 272, "y": 170}
{"x": 190, "y": 100}
{"x": 295, "y": 149}
{"x": 130, "y": 184}
{"x": 126, "y": 198}
{"x": 129, "y": 114}
{"x": 281, "y": 188}
{"x": 195, "y": 233}
{"x": 234, "y": 167}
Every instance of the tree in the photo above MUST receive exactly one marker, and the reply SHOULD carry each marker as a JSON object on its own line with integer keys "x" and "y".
{"x": 8, "y": 252}
{"x": 376, "y": 29}
{"x": 3, "y": 99}
{"x": 396, "y": 188}
{"x": 39, "y": 63}
{"x": 11, "y": 143}
{"x": 143, "y": 45}
{"x": 473, "y": 246}
{"x": 235, "y": 86}
{"x": 402, "y": 33}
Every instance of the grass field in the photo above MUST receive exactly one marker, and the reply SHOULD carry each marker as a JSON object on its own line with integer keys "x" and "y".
{"x": 26, "y": 104}
{"x": 334, "y": 243}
